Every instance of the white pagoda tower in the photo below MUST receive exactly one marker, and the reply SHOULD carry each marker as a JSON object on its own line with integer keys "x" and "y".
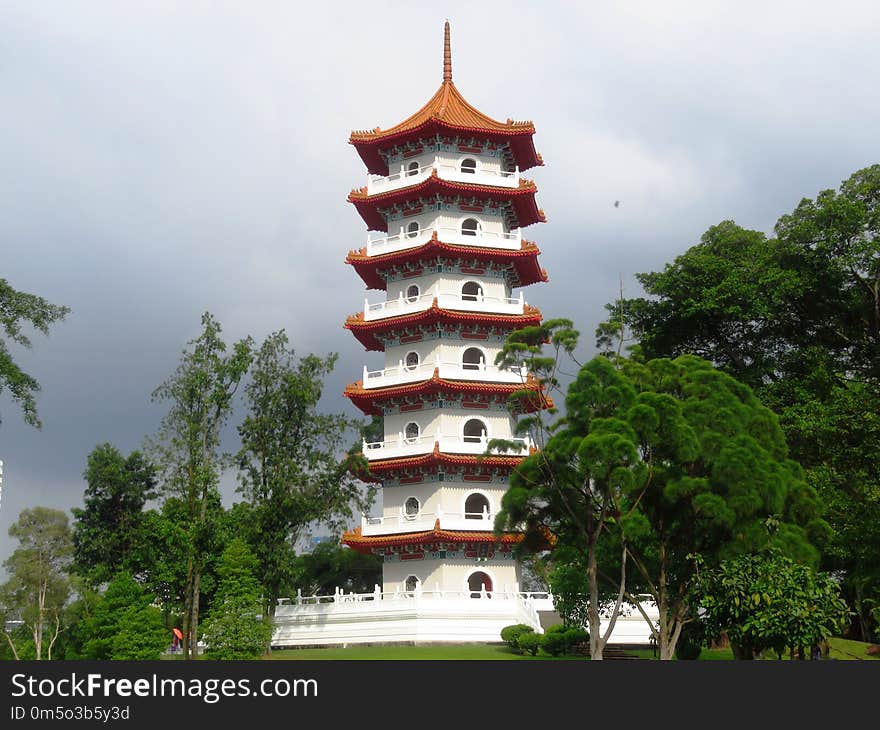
{"x": 447, "y": 200}
{"x": 448, "y": 206}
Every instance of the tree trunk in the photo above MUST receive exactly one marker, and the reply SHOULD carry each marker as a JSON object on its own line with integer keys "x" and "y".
{"x": 186, "y": 643}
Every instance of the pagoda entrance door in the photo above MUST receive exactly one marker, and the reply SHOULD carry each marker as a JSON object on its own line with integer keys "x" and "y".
{"x": 477, "y": 581}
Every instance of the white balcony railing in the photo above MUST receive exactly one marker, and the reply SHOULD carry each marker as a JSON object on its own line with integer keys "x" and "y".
{"x": 382, "y": 184}
{"x": 402, "y": 373}
{"x": 467, "y": 303}
{"x": 425, "y": 521}
{"x": 511, "y": 241}
{"x": 401, "y": 446}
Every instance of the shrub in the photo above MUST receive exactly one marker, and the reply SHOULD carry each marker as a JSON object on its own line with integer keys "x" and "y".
{"x": 574, "y": 637}
{"x": 529, "y": 643}
{"x": 690, "y": 641}
{"x": 554, "y": 642}
{"x": 510, "y": 634}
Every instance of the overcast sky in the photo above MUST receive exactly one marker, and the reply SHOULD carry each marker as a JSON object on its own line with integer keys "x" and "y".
{"x": 161, "y": 159}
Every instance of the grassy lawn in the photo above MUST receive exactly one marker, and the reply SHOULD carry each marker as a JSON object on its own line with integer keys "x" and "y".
{"x": 842, "y": 649}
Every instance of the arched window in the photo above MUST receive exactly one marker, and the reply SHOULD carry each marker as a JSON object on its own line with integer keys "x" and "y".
{"x": 475, "y": 506}
{"x": 411, "y": 583}
{"x": 412, "y": 230}
{"x": 470, "y": 226}
{"x": 472, "y": 359}
{"x": 411, "y": 432}
{"x": 479, "y": 581}
{"x": 412, "y": 292}
{"x": 469, "y": 166}
{"x": 411, "y": 507}
{"x": 475, "y": 430}
{"x": 413, "y": 168}
{"x": 412, "y": 361}
{"x": 471, "y": 291}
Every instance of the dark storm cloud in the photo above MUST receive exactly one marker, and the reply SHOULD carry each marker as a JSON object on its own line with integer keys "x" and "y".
{"x": 163, "y": 159}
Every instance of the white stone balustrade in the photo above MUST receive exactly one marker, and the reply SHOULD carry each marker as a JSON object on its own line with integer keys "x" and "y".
{"x": 481, "y": 176}
{"x": 401, "y": 446}
{"x": 511, "y": 241}
{"x": 423, "y": 521}
{"x": 467, "y": 303}
{"x": 401, "y": 373}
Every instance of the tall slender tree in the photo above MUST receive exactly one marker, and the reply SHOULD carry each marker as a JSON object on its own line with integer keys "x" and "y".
{"x": 294, "y": 469}
{"x": 187, "y": 449}
{"x": 38, "y": 586}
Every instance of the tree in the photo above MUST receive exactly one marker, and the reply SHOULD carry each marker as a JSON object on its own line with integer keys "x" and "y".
{"x": 293, "y": 466}
{"x": 200, "y": 393}
{"x": 17, "y": 308}
{"x": 236, "y": 628}
{"x": 108, "y": 532}
{"x": 123, "y": 623}
{"x": 330, "y": 566}
{"x": 38, "y": 588}
{"x": 797, "y": 317}
{"x": 572, "y": 486}
{"x": 767, "y": 601}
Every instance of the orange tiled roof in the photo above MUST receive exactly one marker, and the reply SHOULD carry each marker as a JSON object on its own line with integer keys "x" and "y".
{"x": 524, "y": 260}
{"x": 522, "y": 198}
{"x": 364, "y": 543}
{"x": 367, "y": 398}
{"x": 438, "y": 458}
{"x": 448, "y": 109}
{"x": 366, "y": 331}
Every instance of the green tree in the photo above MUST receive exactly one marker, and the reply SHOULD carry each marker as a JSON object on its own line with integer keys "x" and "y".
{"x": 293, "y": 467}
{"x": 17, "y": 308}
{"x": 38, "y": 587}
{"x": 797, "y": 317}
{"x": 187, "y": 449}
{"x": 236, "y": 628}
{"x": 330, "y": 566}
{"x": 123, "y": 623}
{"x": 108, "y": 532}
{"x": 767, "y": 601}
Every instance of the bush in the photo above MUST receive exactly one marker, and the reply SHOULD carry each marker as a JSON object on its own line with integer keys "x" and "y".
{"x": 510, "y": 634}
{"x": 554, "y": 642}
{"x": 690, "y": 641}
{"x": 529, "y": 642}
{"x": 575, "y": 637}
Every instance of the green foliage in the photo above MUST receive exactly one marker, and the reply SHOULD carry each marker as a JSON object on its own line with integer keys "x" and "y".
{"x": 330, "y": 566}
{"x": 768, "y": 601}
{"x": 200, "y": 395}
{"x": 235, "y": 628}
{"x": 122, "y": 623}
{"x": 690, "y": 641}
{"x": 16, "y": 309}
{"x": 38, "y": 585}
{"x": 529, "y": 643}
{"x": 109, "y": 532}
{"x": 510, "y": 634}
{"x": 554, "y": 643}
{"x": 293, "y": 467}
{"x": 797, "y": 317}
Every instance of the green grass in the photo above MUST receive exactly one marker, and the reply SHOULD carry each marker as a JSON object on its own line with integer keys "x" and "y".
{"x": 841, "y": 649}
{"x": 456, "y": 652}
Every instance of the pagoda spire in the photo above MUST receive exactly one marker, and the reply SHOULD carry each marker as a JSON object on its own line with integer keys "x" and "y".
{"x": 447, "y": 56}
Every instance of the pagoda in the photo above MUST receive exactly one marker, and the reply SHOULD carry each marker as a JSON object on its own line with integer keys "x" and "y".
{"x": 447, "y": 201}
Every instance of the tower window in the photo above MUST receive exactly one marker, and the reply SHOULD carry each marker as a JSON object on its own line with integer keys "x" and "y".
{"x": 412, "y": 230}
{"x": 474, "y": 430}
{"x": 475, "y": 506}
{"x": 412, "y": 360}
{"x": 471, "y": 291}
{"x": 470, "y": 226}
{"x": 412, "y": 293}
{"x": 411, "y": 507}
{"x": 411, "y": 432}
{"x": 413, "y": 168}
{"x": 411, "y": 583}
{"x": 469, "y": 166}
{"x": 472, "y": 358}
